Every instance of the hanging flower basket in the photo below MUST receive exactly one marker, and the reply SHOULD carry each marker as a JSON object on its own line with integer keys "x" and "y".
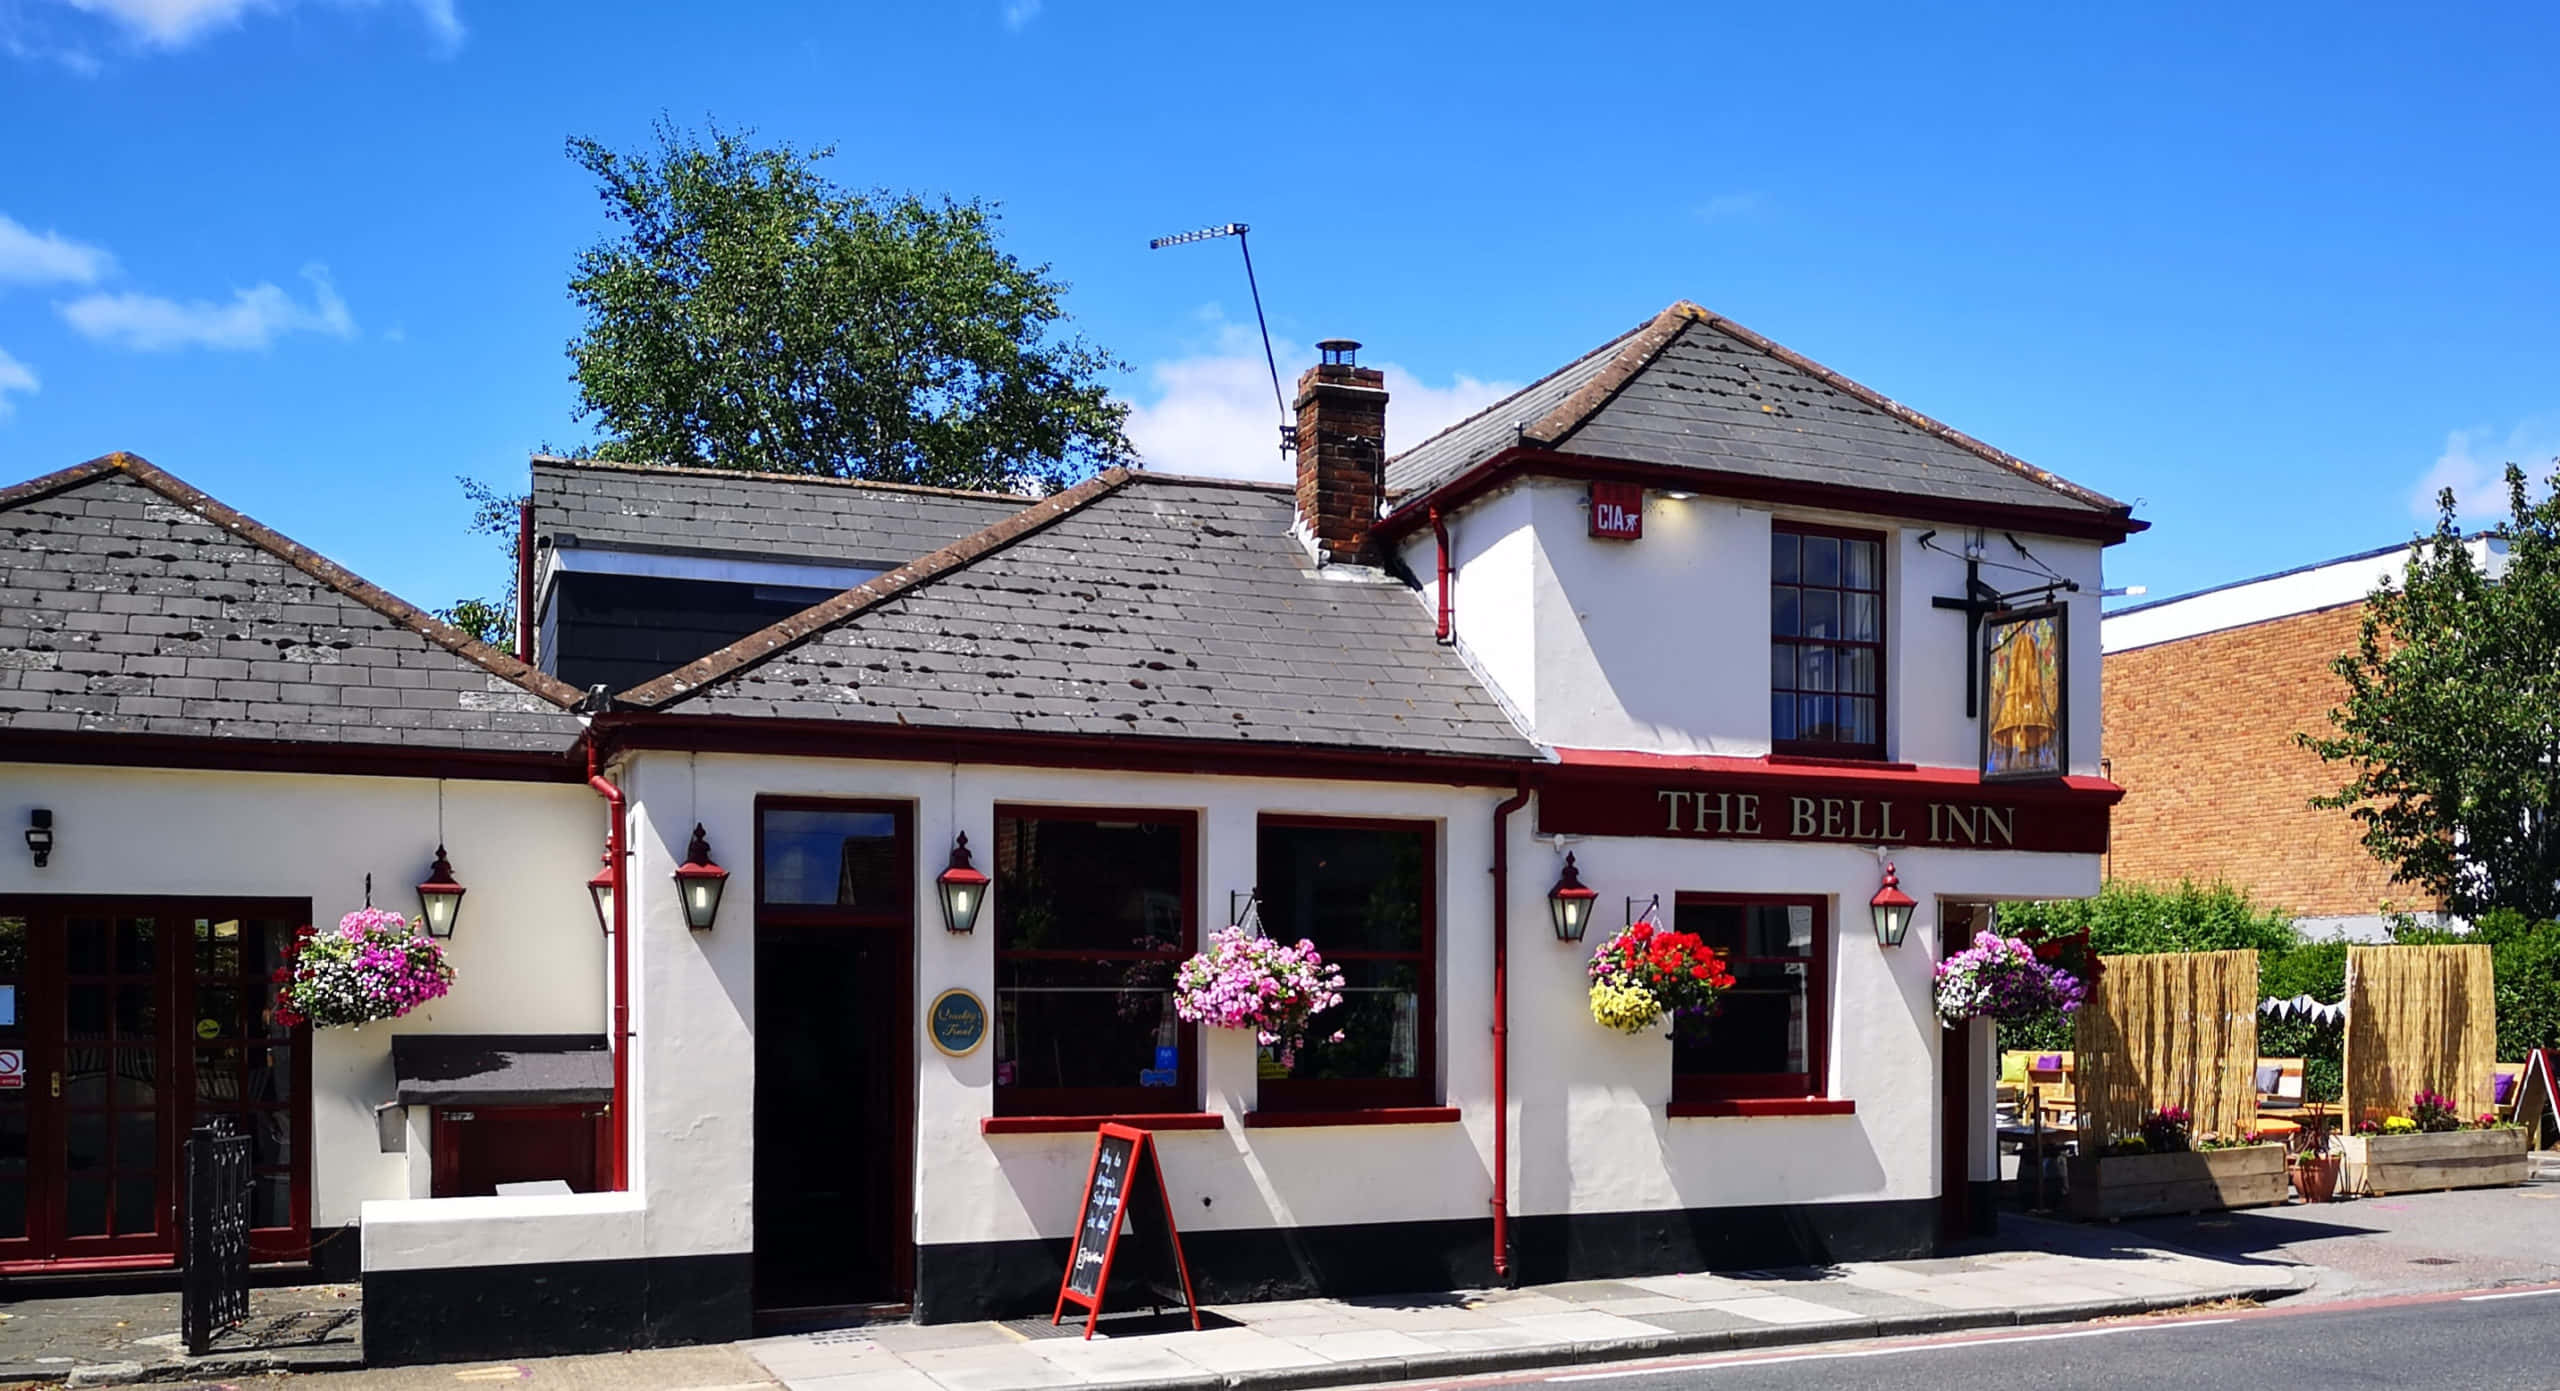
{"x": 1245, "y": 981}
{"x": 374, "y": 965}
{"x": 2001, "y": 978}
{"x": 1644, "y": 973}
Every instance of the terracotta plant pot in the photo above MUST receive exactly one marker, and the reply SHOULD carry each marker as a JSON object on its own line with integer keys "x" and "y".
{"x": 2315, "y": 1177}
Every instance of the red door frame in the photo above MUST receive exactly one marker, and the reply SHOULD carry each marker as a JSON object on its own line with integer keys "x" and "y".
{"x": 41, "y": 1032}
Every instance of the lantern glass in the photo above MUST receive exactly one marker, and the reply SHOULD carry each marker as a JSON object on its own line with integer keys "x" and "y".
{"x": 440, "y": 906}
{"x": 701, "y": 900}
{"x": 601, "y": 889}
{"x": 1892, "y": 909}
{"x": 963, "y": 887}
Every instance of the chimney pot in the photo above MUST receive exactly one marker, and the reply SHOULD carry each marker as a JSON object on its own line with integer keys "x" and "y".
{"x": 1342, "y": 451}
{"x": 1340, "y": 352}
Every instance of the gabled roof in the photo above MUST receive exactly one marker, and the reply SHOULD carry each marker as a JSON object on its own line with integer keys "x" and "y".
{"x": 136, "y": 604}
{"x": 1130, "y": 605}
{"x": 1691, "y": 391}
{"x": 732, "y": 512}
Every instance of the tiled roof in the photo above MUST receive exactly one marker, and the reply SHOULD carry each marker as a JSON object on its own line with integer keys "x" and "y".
{"x": 136, "y": 604}
{"x": 1132, "y": 604}
{"x": 736, "y": 513}
{"x": 1691, "y": 390}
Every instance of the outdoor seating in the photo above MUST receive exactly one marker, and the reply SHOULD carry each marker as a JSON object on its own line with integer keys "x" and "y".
{"x": 2506, "y": 1084}
{"x": 2279, "y": 1084}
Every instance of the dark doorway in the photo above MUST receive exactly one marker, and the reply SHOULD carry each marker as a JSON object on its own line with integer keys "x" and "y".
{"x": 835, "y": 1072}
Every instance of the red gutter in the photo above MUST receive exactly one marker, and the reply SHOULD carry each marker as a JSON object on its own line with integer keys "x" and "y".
{"x": 1502, "y": 1032}
{"x": 620, "y": 1170}
{"x": 1440, "y": 537}
{"x": 524, "y": 581}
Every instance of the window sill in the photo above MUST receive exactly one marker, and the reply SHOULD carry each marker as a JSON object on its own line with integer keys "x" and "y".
{"x": 1378, "y": 1115}
{"x": 1765, "y": 1106}
{"x": 1870, "y": 764}
{"x": 1071, "y": 1125}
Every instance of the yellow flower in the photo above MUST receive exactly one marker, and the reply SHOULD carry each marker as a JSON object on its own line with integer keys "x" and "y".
{"x": 2398, "y": 1125}
{"x": 1629, "y": 1009}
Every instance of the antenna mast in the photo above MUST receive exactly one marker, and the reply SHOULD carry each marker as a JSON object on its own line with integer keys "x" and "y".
{"x": 1288, "y": 430}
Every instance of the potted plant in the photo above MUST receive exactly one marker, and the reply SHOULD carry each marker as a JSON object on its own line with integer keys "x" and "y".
{"x": 2314, "y": 1163}
{"x": 374, "y": 965}
{"x": 2431, "y": 1148}
{"x": 1247, "y": 981}
{"x": 2003, "y": 978}
{"x": 1644, "y": 974}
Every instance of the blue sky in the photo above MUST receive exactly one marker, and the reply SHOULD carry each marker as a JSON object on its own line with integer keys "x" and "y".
{"x": 2274, "y": 274}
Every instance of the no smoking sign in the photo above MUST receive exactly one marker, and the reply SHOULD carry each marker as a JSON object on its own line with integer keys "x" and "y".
{"x": 13, "y": 1069}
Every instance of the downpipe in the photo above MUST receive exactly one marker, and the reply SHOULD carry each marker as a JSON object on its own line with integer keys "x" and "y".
{"x": 1502, "y": 1264}
{"x": 616, "y": 848}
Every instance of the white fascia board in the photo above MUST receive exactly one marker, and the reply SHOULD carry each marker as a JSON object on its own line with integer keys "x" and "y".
{"x": 2307, "y": 590}
{"x": 723, "y": 569}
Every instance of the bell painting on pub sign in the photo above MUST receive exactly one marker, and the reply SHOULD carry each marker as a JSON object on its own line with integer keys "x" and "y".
{"x": 2023, "y": 688}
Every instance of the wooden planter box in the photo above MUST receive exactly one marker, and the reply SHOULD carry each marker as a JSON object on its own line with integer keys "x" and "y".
{"x": 2147, "y": 1185}
{"x": 2423, "y": 1163}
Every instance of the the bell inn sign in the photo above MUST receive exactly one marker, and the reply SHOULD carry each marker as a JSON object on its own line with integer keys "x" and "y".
{"x": 2057, "y": 817}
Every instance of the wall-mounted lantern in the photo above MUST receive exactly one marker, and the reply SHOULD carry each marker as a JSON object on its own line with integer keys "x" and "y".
{"x": 601, "y": 889}
{"x": 40, "y": 835}
{"x": 439, "y": 897}
{"x": 963, "y": 887}
{"x": 1569, "y": 903}
{"x": 1892, "y": 908}
{"x": 699, "y": 881}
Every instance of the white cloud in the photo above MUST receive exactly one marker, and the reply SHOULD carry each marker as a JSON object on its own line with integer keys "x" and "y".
{"x": 1018, "y": 13}
{"x": 49, "y": 258}
{"x": 1213, "y": 413}
{"x": 1732, "y": 207}
{"x": 14, "y": 376}
{"x": 254, "y": 318}
{"x": 2474, "y": 464}
{"x": 173, "y": 24}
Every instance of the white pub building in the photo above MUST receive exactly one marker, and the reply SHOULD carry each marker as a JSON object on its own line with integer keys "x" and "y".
{"x": 739, "y": 1031}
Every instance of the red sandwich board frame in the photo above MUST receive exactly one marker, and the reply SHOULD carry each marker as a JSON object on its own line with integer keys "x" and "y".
{"x": 1141, "y": 1150}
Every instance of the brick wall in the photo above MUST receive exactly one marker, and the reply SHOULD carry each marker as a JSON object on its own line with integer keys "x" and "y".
{"x": 2199, "y": 732}
{"x": 1342, "y": 454}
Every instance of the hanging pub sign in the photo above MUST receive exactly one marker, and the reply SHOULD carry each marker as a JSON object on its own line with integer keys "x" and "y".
{"x": 2024, "y": 686}
{"x": 1617, "y": 511}
{"x": 1125, "y": 1228}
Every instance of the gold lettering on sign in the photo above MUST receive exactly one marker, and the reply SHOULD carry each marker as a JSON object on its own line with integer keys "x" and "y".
{"x": 1673, "y": 801}
{"x": 2004, "y": 820}
{"x": 1889, "y": 834}
{"x": 1859, "y": 820}
{"x": 1831, "y": 827}
{"x": 1800, "y": 814}
{"x": 1750, "y": 803}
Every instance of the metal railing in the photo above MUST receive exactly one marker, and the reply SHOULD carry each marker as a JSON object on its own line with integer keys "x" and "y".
{"x": 216, "y": 1298}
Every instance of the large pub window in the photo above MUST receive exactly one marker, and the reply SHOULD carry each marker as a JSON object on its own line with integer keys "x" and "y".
{"x": 1093, "y": 915}
{"x": 1361, "y": 891}
{"x": 1826, "y": 641}
{"x": 1768, "y": 1034}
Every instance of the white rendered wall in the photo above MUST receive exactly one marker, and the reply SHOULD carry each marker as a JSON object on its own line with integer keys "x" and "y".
{"x": 527, "y": 957}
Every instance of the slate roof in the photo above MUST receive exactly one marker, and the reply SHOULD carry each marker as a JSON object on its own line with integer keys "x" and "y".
{"x": 132, "y": 603}
{"x": 1131, "y": 604}
{"x": 647, "y": 507}
{"x": 1689, "y": 389}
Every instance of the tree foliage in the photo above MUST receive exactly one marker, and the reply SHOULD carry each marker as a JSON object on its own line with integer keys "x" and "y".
{"x": 493, "y": 513}
{"x": 750, "y": 314}
{"x": 2450, "y": 729}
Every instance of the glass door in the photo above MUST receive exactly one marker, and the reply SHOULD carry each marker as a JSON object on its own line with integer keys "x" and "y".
{"x": 104, "y": 1062}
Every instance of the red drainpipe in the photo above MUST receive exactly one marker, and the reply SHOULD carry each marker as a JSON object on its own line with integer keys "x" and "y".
{"x": 1502, "y": 1032}
{"x": 524, "y": 580}
{"x": 1440, "y": 537}
{"x": 620, "y": 1170}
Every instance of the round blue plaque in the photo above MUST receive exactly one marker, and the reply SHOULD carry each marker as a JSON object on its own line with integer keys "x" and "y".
{"x": 957, "y": 1022}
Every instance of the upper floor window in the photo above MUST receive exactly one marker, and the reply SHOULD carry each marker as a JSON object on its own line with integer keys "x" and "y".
{"x": 1826, "y": 641}
{"x": 1362, "y": 892}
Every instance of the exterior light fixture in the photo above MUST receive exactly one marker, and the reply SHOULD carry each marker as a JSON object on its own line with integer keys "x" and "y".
{"x": 439, "y": 897}
{"x": 601, "y": 889}
{"x": 1677, "y": 495}
{"x": 40, "y": 835}
{"x": 1892, "y": 908}
{"x": 1569, "y": 903}
{"x": 963, "y": 887}
{"x": 699, "y": 881}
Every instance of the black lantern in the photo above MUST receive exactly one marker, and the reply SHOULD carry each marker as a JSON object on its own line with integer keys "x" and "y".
{"x": 699, "y": 881}
{"x": 1569, "y": 903}
{"x": 40, "y": 835}
{"x": 439, "y": 898}
{"x": 601, "y": 889}
{"x": 1892, "y": 908}
{"x": 964, "y": 888}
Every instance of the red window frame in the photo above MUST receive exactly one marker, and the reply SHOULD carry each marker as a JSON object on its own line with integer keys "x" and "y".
{"x": 1836, "y": 748}
{"x": 1689, "y": 1087}
{"x": 1013, "y": 1100}
{"x": 901, "y": 916}
{"x": 1371, "y": 1093}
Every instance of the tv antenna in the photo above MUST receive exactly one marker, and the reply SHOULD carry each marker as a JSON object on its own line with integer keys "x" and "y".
{"x": 1288, "y": 429}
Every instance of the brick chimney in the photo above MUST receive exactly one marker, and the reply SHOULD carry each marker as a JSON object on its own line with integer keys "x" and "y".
{"x": 1342, "y": 452}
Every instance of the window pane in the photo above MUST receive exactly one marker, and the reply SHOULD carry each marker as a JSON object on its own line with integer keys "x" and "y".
{"x": 136, "y": 941}
{"x": 13, "y": 1139}
{"x": 1782, "y": 558}
{"x": 1346, "y": 888}
{"x": 1858, "y": 720}
{"x": 1088, "y": 886}
{"x": 847, "y": 859}
{"x": 85, "y": 1207}
{"x": 87, "y": 939}
{"x": 137, "y": 1205}
{"x": 13, "y": 946}
{"x": 1783, "y": 613}
{"x": 1814, "y": 718}
{"x": 1816, "y": 663}
{"x": 1822, "y": 560}
{"x": 1380, "y": 1019}
{"x": 1749, "y": 929}
{"x": 13, "y": 1208}
{"x": 1782, "y": 716}
{"x": 84, "y": 1140}
{"x": 217, "y": 947}
{"x": 1821, "y": 613}
{"x": 1858, "y": 566}
{"x": 1759, "y": 1027}
{"x": 137, "y": 1077}
{"x": 1858, "y": 617}
{"x": 1858, "y": 669}
{"x": 271, "y": 1202}
{"x": 1086, "y": 1024}
{"x": 1782, "y": 666}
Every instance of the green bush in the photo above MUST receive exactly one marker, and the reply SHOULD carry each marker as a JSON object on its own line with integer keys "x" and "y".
{"x": 2525, "y": 958}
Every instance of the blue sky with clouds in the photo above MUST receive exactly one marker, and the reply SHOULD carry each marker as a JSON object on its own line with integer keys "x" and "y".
{"x": 2276, "y": 273}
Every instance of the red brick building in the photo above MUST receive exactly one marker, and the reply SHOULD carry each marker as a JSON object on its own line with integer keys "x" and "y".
{"x": 2201, "y": 698}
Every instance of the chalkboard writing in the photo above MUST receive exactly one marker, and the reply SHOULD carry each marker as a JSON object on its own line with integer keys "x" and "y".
{"x": 1125, "y": 1217}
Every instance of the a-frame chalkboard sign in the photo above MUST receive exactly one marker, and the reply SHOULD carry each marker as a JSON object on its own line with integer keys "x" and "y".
{"x": 1124, "y": 1227}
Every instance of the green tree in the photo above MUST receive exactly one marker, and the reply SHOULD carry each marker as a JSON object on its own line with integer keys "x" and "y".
{"x": 493, "y": 513}
{"x": 2450, "y": 729}
{"x": 750, "y": 314}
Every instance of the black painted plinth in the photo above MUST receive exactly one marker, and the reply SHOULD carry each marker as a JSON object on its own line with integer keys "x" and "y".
{"x": 472, "y": 1313}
